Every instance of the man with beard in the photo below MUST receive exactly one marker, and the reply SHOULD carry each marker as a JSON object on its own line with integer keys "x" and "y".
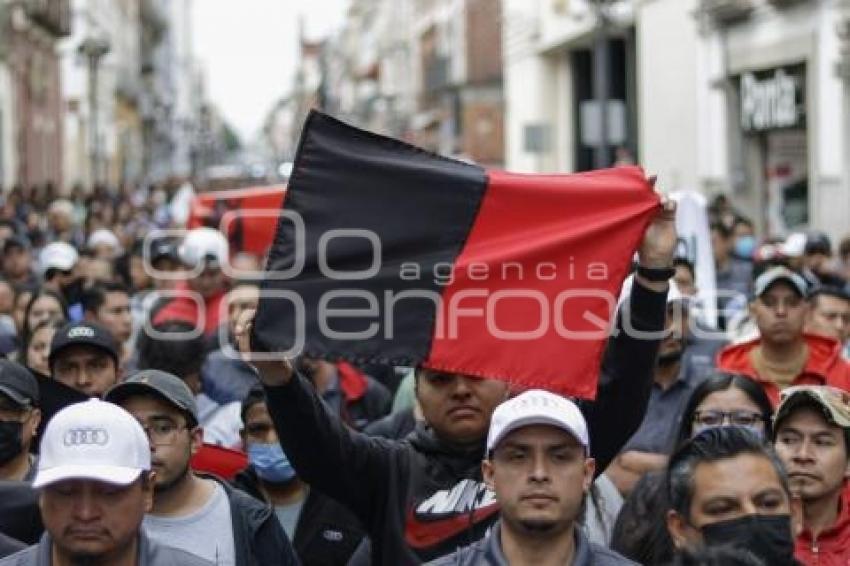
{"x": 783, "y": 354}
{"x": 423, "y": 497}
{"x": 811, "y": 434}
{"x": 539, "y": 467}
{"x": 727, "y": 488}
{"x": 201, "y": 515}
{"x": 95, "y": 483}
{"x": 673, "y": 383}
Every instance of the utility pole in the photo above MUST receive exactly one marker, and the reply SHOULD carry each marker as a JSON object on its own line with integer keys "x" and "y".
{"x": 601, "y": 76}
{"x": 94, "y": 49}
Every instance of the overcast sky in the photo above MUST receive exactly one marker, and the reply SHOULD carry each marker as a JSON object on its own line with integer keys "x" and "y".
{"x": 248, "y": 48}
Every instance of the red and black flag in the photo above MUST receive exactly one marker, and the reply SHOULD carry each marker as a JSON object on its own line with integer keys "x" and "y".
{"x": 390, "y": 254}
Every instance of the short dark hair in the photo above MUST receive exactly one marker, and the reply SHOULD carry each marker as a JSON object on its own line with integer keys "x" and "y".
{"x": 712, "y": 445}
{"x": 255, "y": 396}
{"x": 827, "y": 291}
{"x": 179, "y": 354}
{"x": 721, "y": 381}
{"x": 721, "y": 229}
{"x": 95, "y": 296}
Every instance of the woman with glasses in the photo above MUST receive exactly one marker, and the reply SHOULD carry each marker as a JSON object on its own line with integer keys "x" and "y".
{"x": 723, "y": 399}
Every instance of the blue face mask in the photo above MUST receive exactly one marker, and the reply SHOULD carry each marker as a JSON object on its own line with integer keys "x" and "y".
{"x": 270, "y": 462}
{"x": 745, "y": 246}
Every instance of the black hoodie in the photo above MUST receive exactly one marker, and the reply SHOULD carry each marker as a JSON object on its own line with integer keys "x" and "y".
{"x": 326, "y": 533}
{"x": 422, "y": 498}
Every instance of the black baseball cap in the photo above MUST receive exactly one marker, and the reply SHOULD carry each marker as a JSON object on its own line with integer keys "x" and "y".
{"x": 18, "y": 384}
{"x": 163, "y": 248}
{"x": 818, "y": 243}
{"x": 169, "y": 387}
{"x": 82, "y": 333}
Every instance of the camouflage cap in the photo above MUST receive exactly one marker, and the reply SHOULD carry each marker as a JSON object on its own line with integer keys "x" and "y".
{"x": 834, "y": 403}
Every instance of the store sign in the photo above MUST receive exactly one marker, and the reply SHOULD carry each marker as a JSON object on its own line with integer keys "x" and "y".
{"x": 773, "y": 99}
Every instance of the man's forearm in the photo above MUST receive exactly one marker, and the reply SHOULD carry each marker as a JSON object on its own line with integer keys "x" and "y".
{"x": 628, "y": 468}
{"x": 338, "y": 461}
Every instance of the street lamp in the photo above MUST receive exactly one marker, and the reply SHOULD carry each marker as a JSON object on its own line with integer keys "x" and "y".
{"x": 601, "y": 76}
{"x": 94, "y": 49}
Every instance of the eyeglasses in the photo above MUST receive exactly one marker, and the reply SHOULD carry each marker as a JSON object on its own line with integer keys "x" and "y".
{"x": 718, "y": 418}
{"x": 162, "y": 432}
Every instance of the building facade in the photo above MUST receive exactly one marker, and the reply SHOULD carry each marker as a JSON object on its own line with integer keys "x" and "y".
{"x": 742, "y": 97}
{"x": 31, "y": 104}
{"x": 427, "y": 71}
{"x": 776, "y": 63}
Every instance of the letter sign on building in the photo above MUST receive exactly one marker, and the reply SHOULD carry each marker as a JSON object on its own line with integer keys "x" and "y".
{"x": 772, "y": 99}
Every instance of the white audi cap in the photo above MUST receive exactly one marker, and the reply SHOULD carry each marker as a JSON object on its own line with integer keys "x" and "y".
{"x": 537, "y": 407}
{"x": 93, "y": 440}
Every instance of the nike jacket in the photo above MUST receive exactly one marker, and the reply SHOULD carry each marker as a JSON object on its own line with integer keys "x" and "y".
{"x": 420, "y": 498}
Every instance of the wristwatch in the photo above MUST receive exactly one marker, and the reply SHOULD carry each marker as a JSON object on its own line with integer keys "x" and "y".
{"x": 656, "y": 274}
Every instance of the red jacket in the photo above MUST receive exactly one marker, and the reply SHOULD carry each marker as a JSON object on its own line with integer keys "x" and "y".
{"x": 184, "y": 308}
{"x": 824, "y": 366}
{"x": 832, "y": 547}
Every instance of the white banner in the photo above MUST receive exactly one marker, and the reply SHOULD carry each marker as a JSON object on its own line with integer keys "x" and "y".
{"x": 695, "y": 244}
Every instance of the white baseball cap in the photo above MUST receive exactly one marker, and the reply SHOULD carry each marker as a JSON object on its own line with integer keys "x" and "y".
{"x": 537, "y": 407}
{"x": 204, "y": 245}
{"x": 92, "y": 440}
{"x": 104, "y": 237}
{"x": 57, "y": 255}
{"x": 794, "y": 245}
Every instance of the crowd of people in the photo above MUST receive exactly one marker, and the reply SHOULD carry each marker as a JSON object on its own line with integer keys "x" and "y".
{"x": 132, "y": 430}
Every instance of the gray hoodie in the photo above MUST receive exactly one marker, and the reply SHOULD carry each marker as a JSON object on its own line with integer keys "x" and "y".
{"x": 150, "y": 554}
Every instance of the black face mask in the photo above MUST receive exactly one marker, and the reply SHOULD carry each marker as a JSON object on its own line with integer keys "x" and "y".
{"x": 766, "y": 536}
{"x": 10, "y": 440}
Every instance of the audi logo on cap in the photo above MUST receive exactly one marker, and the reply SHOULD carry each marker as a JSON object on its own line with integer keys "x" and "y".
{"x": 86, "y": 436}
{"x": 81, "y": 332}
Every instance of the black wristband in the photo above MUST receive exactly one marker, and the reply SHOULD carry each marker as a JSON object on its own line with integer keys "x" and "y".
{"x": 656, "y": 274}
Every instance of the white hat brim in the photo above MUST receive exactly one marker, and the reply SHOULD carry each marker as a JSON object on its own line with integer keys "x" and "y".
{"x": 536, "y": 420}
{"x": 117, "y": 475}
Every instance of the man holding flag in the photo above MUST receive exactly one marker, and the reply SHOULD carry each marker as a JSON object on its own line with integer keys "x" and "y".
{"x": 422, "y": 498}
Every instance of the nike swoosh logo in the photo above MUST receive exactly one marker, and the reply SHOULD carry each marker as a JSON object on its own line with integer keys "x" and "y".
{"x": 424, "y": 534}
